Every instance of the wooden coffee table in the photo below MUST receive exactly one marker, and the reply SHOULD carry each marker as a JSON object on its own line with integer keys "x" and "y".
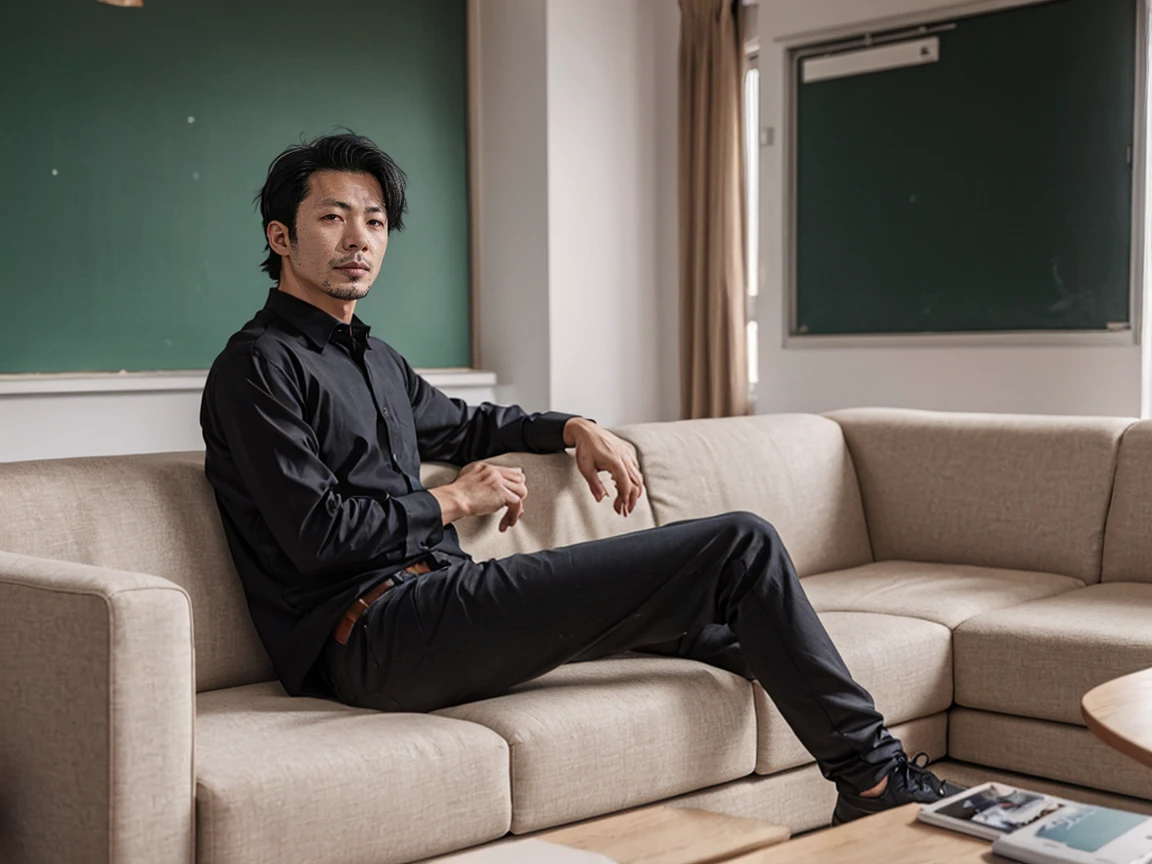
{"x": 894, "y": 837}
{"x": 651, "y": 835}
{"x": 669, "y": 835}
{"x": 1119, "y": 712}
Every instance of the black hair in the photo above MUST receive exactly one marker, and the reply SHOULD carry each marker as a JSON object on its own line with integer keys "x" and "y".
{"x": 287, "y": 182}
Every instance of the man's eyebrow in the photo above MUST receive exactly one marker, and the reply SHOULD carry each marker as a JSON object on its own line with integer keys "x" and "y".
{"x": 344, "y": 205}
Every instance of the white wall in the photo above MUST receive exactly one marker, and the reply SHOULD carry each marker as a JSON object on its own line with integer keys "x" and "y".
{"x": 1075, "y": 379}
{"x": 596, "y": 334}
{"x": 513, "y": 199}
{"x": 607, "y": 132}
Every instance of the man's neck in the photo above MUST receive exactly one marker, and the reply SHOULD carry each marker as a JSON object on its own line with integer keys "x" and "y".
{"x": 339, "y": 309}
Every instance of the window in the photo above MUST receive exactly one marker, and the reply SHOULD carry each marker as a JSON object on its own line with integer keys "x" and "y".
{"x": 752, "y": 215}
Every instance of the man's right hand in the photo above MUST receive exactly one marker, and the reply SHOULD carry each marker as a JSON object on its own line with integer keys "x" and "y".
{"x": 480, "y": 489}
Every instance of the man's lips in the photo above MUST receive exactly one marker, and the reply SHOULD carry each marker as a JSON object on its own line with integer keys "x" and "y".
{"x": 353, "y": 268}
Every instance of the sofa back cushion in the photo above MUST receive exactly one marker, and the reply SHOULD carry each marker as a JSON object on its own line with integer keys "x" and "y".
{"x": 152, "y": 514}
{"x": 156, "y": 514}
{"x": 792, "y": 469}
{"x": 1128, "y": 538}
{"x": 559, "y": 510}
{"x": 1017, "y": 492}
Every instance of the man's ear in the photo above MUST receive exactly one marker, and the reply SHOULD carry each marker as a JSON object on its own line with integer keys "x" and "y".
{"x": 278, "y": 238}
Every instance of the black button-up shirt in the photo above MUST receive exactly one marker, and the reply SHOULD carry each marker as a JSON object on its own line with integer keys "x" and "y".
{"x": 314, "y": 435}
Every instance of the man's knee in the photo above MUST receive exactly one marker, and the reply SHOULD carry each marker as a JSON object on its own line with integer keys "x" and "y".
{"x": 749, "y": 524}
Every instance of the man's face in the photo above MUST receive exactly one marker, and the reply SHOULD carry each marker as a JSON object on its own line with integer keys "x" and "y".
{"x": 341, "y": 235}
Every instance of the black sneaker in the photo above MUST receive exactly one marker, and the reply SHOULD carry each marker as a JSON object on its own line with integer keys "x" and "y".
{"x": 910, "y": 782}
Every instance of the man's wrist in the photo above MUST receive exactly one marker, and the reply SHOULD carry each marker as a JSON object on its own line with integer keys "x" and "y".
{"x": 452, "y": 504}
{"x": 573, "y": 427}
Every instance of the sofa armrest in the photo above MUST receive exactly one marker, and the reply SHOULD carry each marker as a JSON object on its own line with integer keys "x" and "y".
{"x": 97, "y": 712}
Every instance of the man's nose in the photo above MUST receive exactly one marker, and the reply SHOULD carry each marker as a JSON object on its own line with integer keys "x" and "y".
{"x": 355, "y": 238}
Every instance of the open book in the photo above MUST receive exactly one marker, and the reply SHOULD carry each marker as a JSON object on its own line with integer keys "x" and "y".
{"x": 1043, "y": 829}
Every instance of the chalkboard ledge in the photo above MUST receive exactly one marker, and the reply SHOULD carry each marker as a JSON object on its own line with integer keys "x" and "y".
{"x": 1119, "y": 337}
{"x": 187, "y": 381}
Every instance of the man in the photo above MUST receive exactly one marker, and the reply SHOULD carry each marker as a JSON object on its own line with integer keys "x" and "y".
{"x": 354, "y": 576}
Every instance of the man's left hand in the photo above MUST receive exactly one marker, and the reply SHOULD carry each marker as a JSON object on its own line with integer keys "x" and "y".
{"x": 598, "y": 450}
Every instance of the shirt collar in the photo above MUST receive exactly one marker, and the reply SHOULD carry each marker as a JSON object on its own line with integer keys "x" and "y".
{"x": 316, "y": 324}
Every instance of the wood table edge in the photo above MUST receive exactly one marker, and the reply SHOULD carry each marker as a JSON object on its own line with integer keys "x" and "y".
{"x": 768, "y": 834}
{"x": 1105, "y": 732}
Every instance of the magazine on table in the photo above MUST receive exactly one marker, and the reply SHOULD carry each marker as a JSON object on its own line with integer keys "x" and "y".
{"x": 990, "y": 810}
{"x": 1081, "y": 834}
{"x": 1044, "y": 829}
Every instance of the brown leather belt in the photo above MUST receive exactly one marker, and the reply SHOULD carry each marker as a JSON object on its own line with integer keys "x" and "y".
{"x": 360, "y": 605}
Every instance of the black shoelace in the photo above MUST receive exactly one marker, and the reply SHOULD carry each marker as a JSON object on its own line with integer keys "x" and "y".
{"x": 916, "y": 775}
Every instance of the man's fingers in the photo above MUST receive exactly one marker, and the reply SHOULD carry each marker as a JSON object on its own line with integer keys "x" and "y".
{"x": 624, "y": 487}
{"x": 634, "y": 470}
{"x": 519, "y": 488}
{"x": 511, "y": 516}
{"x": 637, "y": 482}
{"x": 587, "y": 467}
{"x": 511, "y": 479}
{"x": 512, "y": 496}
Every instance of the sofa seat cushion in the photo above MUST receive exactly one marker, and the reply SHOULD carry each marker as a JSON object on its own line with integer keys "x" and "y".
{"x": 1038, "y": 659}
{"x": 945, "y": 593}
{"x": 596, "y": 737}
{"x": 905, "y": 663}
{"x": 282, "y": 779}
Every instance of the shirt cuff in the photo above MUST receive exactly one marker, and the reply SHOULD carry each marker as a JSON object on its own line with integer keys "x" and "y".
{"x": 423, "y": 526}
{"x": 544, "y": 433}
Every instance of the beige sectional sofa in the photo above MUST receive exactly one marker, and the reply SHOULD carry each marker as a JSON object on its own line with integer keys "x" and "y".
{"x": 979, "y": 574}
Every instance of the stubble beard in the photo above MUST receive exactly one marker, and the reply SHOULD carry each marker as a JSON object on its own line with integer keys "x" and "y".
{"x": 351, "y": 291}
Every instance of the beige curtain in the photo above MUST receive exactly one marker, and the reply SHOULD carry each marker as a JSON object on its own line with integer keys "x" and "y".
{"x": 713, "y": 349}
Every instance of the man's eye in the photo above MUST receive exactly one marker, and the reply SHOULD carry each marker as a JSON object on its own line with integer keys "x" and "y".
{"x": 376, "y": 222}
{"x": 331, "y": 216}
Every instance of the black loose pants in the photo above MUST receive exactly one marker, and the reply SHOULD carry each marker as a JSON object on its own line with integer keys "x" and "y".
{"x": 722, "y": 590}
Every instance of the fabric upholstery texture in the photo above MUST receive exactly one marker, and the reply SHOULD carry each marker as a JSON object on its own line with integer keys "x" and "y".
{"x": 96, "y": 713}
{"x": 793, "y": 470}
{"x": 945, "y": 593}
{"x": 1127, "y": 540}
{"x": 296, "y": 779}
{"x": 596, "y": 737}
{"x": 905, "y": 663}
{"x": 155, "y": 514}
{"x": 1038, "y": 659}
{"x": 1067, "y": 753}
{"x": 991, "y": 490}
{"x": 559, "y": 510}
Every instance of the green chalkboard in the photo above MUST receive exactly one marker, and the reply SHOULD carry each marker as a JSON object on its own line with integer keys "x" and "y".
{"x": 989, "y": 191}
{"x": 134, "y": 141}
